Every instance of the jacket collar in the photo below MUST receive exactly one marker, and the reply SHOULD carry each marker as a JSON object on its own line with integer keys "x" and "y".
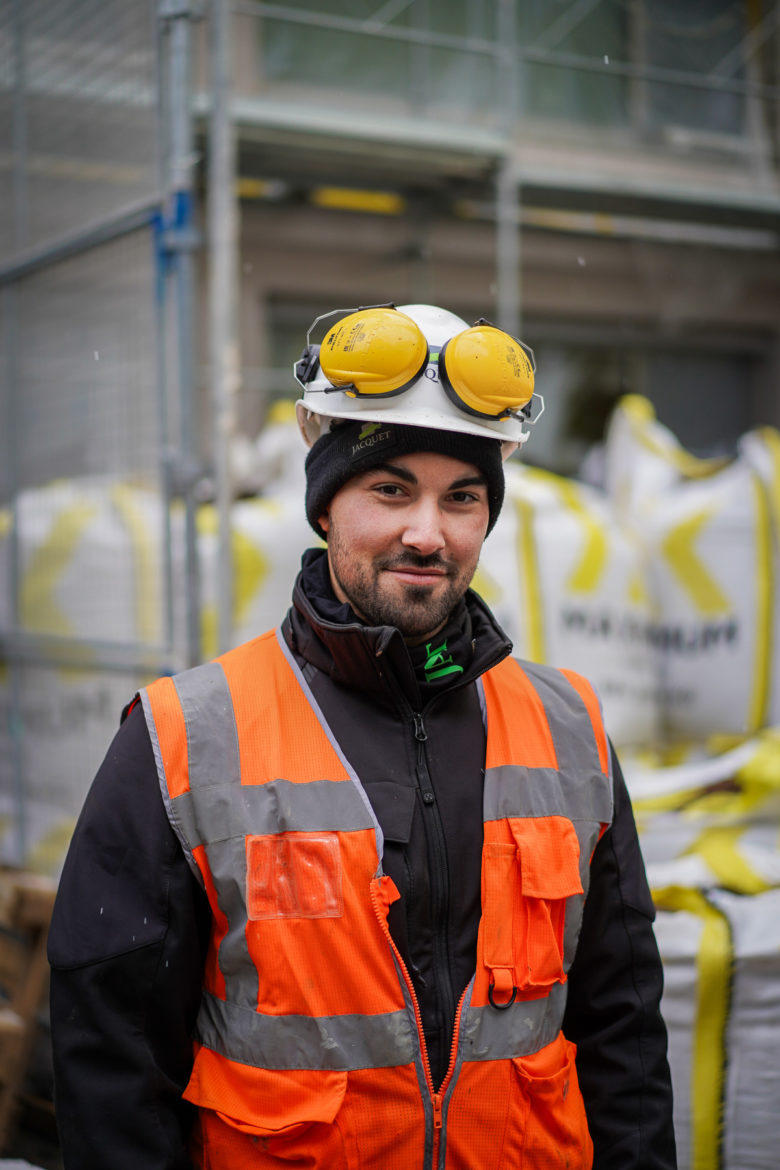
{"x": 327, "y": 635}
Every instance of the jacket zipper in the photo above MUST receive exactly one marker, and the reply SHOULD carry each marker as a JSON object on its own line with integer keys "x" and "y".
{"x": 439, "y": 877}
{"x": 437, "y": 1099}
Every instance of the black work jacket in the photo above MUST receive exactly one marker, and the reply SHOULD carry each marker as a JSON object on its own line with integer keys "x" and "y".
{"x": 131, "y": 923}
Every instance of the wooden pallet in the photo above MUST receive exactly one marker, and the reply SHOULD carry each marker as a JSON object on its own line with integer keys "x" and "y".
{"x": 26, "y": 903}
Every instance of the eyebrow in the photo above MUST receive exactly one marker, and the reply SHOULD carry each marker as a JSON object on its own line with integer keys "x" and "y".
{"x": 408, "y": 476}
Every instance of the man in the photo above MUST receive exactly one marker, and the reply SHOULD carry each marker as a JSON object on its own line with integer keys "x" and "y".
{"x": 367, "y": 891}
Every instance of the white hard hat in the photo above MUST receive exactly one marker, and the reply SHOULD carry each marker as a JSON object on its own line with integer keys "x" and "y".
{"x": 387, "y": 364}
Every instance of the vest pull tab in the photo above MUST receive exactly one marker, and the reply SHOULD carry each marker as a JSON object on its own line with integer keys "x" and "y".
{"x": 437, "y": 1103}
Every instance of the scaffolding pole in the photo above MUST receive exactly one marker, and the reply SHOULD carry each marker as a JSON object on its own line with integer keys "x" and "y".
{"x": 507, "y": 190}
{"x": 223, "y": 338}
{"x": 178, "y": 242}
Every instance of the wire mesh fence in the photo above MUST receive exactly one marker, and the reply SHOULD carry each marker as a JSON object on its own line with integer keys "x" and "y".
{"x": 79, "y": 96}
{"x": 84, "y": 558}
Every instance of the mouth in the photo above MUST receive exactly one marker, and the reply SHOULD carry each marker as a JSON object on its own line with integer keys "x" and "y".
{"x": 417, "y": 574}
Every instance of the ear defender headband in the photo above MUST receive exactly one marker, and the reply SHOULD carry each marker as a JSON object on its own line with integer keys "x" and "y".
{"x": 379, "y": 352}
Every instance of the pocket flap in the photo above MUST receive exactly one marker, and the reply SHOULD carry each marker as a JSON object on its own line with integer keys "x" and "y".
{"x": 549, "y": 856}
{"x": 268, "y": 1102}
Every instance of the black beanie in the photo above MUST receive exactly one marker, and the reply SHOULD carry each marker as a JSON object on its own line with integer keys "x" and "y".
{"x": 355, "y": 447}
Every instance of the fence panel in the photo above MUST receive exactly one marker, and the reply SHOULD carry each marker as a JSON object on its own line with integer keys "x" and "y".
{"x": 84, "y": 512}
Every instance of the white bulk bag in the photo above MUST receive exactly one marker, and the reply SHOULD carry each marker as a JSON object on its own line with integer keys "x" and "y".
{"x": 566, "y": 580}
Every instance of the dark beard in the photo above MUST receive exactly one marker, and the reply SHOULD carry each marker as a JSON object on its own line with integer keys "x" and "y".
{"x": 416, "y": 614}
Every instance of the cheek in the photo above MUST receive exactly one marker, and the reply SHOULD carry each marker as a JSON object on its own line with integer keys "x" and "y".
{"x": 467, "y": 545}
{"x": 360, "y": 526}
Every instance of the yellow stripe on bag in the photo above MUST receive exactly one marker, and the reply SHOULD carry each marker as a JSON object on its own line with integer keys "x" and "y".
{"x": 39, "y": 610}
{"x": 641, "y": 415}
{"x": 486, "y": 586}
{"x": 714, "y": 966}
{"x": 529, "y": 575}
{"x": 719, "y": 848}
{"x": 689, "y": 569}
{"x": 771, "y": 440}
{"x": 146, "y": 586}
{"x": 586, "y": 576}
{"x": 765, "y": 597}
{"x": 250, "y": 568}
{"x": 681, "y": 798}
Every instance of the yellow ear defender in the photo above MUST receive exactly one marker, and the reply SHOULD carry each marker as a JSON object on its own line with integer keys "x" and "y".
{"x": 486, "y": 372}
{"x": 378, "y": 352}
{"x": 374, "y": 352}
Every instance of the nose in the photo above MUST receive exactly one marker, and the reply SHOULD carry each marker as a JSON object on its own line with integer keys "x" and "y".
{"x": 424, "y": 529}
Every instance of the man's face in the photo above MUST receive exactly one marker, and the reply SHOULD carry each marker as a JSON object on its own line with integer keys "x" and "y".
{"x": 404, "y": 540}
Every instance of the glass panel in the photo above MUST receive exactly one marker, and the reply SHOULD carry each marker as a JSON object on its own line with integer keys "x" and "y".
{"x": 367, "y": 60}
{"x": 694, "y": 36}
{"x": 575, "y": 94}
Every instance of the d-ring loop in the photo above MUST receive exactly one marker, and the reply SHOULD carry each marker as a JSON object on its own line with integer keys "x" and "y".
{"x": 501, "y": 1007}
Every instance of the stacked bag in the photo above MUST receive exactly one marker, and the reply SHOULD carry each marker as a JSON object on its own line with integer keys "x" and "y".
{"x": 710, "y": 824}
{"x": 568, "y": 585}
{"x": 710, "y": 530}
{"x": 709, "y": 833}
{"x": 662, "y": 584}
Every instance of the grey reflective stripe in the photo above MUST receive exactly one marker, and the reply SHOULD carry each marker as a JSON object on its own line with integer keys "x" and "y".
{"x": 343, "y": 1042}
{"x": 227, "y": 862}
{"x": 162, "y": 780}
{"x": 482, "y": 702}
{"x": 380, "y": 844}
{"x": 515, "y": 791}
{"x": 523, "y": 1028}
{"x": 572, "y": 732}
{"x": 214, "y": 766}
{"x": 212, "y": 736}
{"x": 577, "y": 788}
{"x": 280, "y": 806}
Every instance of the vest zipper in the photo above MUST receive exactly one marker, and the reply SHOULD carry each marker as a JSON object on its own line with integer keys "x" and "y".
{"x": 440, "y": 1097}
{"x": 439, "y": 876}
{"x": 437, "y": 1099}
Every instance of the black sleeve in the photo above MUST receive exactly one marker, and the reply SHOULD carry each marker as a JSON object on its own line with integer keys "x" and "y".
{"x": 613, "y": 1013}
{"x": 126, "y": 947}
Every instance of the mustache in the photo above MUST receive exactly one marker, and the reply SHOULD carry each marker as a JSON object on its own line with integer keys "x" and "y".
{"x": 414, "y": 561}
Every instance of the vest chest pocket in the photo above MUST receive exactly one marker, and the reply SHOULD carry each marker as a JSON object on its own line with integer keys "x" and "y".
{"x": 526, "y": 884}
{"x": 293, "y": 875}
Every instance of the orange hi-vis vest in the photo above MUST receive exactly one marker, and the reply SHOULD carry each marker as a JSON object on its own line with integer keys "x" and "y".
{"x": 309, "y": 1045}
